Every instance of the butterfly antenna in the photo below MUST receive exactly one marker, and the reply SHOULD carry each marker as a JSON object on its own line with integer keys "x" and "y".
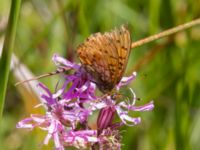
{"x": 41, "y": 76}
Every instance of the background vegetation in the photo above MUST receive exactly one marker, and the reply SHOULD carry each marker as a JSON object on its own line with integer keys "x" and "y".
{"x": 168, "y": 69}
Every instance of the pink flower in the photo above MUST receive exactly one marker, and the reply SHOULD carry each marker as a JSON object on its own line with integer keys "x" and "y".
{"x": 69, "y": 108}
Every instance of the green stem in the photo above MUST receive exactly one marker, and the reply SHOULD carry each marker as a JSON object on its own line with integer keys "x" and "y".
{"x": 7, "y": 50}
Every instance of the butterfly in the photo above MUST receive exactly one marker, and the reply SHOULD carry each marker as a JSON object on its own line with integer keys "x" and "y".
{"x": 105, "y": 55}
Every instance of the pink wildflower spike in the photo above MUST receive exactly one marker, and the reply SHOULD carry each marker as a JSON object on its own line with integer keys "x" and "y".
{"x": 69, "y": 108}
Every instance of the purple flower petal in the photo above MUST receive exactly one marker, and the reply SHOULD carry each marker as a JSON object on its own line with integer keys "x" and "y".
{"x": 60, "y": 60}
{"x": 25, "y": 123}
{"x": 47, "y": 97}
{"x": 61, "y": 90}
{"x": 126, "y": 80}
{"x": 146, "y": 107}
{"x": 126, "y": 119}
{"x": 80, "y": 139}
{"x": 44, "y": 88}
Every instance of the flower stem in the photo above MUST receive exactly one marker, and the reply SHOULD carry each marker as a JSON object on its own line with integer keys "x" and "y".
{"x": 7, "y": 50}
{"x": 166, "y": 33}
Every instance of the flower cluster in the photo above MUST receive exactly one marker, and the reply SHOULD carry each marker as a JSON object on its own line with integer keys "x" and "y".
{"x": 69, "y": 108}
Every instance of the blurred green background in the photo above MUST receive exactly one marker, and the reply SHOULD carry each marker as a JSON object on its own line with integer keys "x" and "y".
{"x": 168, "y": 69}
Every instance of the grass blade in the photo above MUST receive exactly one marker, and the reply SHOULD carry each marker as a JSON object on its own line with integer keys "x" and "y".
{"x": 7, "y": 50}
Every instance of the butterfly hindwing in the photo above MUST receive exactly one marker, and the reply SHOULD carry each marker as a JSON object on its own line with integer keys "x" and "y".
{"x": 105, "y": 56}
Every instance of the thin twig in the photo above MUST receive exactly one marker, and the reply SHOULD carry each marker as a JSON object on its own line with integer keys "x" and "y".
{"x": 41, "y": 76}
{"x": 166, "y": 33}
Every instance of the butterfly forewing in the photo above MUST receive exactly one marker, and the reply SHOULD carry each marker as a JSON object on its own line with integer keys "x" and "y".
{"x": 105, "y": 57}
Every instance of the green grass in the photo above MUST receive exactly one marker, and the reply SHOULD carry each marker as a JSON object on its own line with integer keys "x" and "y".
{"x": 8, "y": 46}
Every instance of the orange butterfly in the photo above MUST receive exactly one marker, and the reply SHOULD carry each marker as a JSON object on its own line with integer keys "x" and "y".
{"x": 105, "y": 56}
